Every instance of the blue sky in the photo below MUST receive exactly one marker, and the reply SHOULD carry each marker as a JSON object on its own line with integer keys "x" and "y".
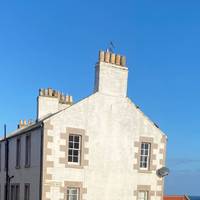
{"x": 55, "y": 44}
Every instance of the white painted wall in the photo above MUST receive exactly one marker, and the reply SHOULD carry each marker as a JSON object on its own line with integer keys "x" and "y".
{"x": 112, "y": 124}
{"x": 23, "y": 175}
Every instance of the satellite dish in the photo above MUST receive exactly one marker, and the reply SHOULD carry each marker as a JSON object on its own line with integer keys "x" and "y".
{"x": 162, "y": 172}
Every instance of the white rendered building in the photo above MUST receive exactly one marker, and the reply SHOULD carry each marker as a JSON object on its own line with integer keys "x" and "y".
{"x": 100, "y": 148}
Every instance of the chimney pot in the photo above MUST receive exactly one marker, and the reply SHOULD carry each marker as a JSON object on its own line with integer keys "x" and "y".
{"x": 45, "y": 92}
{"x": 107, "y": 57}
{"x": 112, "y": 60}
{"x": 118, "y": 60}
{"x": 101, "y": 56}
{"x": 123, "y": 61}
{"x": 71, "y": 99}
{"x": 50, "y": 92}
{"x": 41, "y": 92}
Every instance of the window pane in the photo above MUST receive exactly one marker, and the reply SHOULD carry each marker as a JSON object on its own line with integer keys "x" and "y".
{"x": 69, "y": 158}
{"x": 70, "y": 138}
{"x": 27, "y": 192}
{"x": 70, "y": 144}
{"x": 76, "y": 145}
{"x": 17, "y": 192}
{"x": 76, "y": 138}
{"x": 70, "y": 152}
{"x": 75, "y": 159}
{"x": 75, "y": 152}
{"x": 12, "y": 192}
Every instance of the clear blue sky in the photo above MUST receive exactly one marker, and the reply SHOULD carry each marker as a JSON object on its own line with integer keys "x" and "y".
{"x": 55, "y": 44}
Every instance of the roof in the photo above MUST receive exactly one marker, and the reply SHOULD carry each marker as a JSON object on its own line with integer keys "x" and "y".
{"x": 27, "y": 128}
{"x": 176, "y": 197}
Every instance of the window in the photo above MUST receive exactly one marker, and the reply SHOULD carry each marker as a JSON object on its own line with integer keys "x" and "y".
{"x": 6, "y": 155}
{"x": 15, "y": 192}
{"x": 72, "y": 193}
{"x": 74, "y": 149}
{"x": 5, "y": 191}
{"x": 145, "y": 155}
{"x": 18, "y": 152}
{"x": 28, "y": 151}
{"x": 26, "y": 191}
{"x": 142, "y": 195}
{"x": 12, "y": 192}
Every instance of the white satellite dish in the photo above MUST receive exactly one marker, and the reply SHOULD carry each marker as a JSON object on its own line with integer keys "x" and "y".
{"x": 162, "y": 172}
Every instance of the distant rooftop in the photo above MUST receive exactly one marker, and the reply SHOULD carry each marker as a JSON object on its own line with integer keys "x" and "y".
{"x": 179, "y": 197}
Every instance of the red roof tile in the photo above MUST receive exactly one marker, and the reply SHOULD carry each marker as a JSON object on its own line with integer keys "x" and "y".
{"x": 175, "y": 198}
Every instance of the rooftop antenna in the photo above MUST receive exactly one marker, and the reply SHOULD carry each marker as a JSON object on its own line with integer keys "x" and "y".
{"x": 111, "y": 47}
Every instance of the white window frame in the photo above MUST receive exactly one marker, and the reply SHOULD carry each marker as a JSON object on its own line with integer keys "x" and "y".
{"x": 145, "y": 195}
{"x": 71, "y": 195}
{"x": 72, "y": 149}
{"x": 145, "y": 153}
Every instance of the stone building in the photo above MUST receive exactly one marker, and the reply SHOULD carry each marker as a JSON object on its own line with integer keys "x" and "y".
{"x": 100, "y": 148}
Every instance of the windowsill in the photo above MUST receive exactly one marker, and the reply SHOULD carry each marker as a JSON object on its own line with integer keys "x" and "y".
{"x": 145, "y": 171}
{"x": 17, "y": 167}
{"x": 27, "y": 166}
{"x": 74, "y": 165}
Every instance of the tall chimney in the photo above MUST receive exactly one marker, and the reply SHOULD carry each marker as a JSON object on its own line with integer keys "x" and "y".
{"x": 51, "y": 101}
{"x": 111, "y": 74}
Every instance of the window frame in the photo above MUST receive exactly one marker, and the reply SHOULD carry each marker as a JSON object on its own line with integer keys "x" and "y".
{"x": 27, "y": 186}
{"x": 14, "y": 191}
{"x": 18, "y": 153}
{"x": 145, "y": 159}
{"x": 72, "y": 195}
{"x": 28, "y": 151}
{"x": 73, "y": 149}
{"x": 6, "y": 143}
{"x": 146, "y": 195}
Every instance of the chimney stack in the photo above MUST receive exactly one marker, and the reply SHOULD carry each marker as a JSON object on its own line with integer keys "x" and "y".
{"x": 24, "y": 123}
{"x": 111, "y": 74}
{"x": 51, "y": 101}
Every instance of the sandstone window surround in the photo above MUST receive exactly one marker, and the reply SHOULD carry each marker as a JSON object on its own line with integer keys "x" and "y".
{"x": 143, "y": 192}
{"x": 69, "y": 151}
{"x": 149, "y": 141}
{"x": 73, "y": 186}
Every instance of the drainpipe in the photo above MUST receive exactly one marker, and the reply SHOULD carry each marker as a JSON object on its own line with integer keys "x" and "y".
{"x": 6, "y": 163}
{"x": 8, "y": 178}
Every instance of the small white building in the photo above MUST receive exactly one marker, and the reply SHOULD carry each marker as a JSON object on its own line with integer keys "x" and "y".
{"x": 100, "y": 148}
